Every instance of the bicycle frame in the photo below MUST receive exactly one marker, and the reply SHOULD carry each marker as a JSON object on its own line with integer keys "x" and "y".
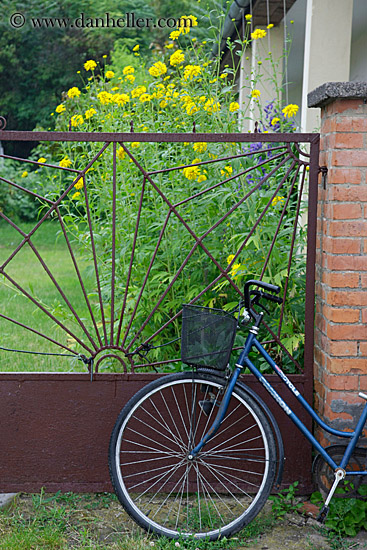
{"x": 244, "y": 361}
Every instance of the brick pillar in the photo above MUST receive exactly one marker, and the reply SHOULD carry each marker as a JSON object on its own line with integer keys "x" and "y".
{"x": 340, "y": 366}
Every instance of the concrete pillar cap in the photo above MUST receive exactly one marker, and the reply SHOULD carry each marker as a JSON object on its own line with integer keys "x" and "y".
{"x": 330, "y": 91}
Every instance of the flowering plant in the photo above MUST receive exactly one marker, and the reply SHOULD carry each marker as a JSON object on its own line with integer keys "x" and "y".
{"x": 182, "y": 86}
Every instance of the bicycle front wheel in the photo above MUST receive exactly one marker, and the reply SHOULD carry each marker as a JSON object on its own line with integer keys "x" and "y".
{"x": 213, "y": 495}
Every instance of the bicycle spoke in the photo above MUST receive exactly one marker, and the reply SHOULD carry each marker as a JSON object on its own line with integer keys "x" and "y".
{"x": 179, "y": 441}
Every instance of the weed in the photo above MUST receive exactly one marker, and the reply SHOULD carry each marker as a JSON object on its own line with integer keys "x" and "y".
{"x": 284, "y": 502}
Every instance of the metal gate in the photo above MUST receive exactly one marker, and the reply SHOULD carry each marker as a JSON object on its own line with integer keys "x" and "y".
{"x": 143, "y": 238}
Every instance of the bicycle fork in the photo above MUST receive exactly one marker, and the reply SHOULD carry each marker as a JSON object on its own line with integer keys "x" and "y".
{"x": 220, "y": 414}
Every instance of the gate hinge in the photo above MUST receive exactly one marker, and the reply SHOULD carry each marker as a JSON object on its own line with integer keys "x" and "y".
{"x": 323, "y": 170}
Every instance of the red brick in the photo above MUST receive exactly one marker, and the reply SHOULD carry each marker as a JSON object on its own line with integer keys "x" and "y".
{"x": 342, "y": 348}
{"x": 344, "y": 175}
{"x": 349, "y": 193}
{"x": 347, "y": 263}
{"x": 346, "y": 366}
{"x": 341, "y": 246}
{"x": 363, "y": 383}
{"x": 347, "y": 383}
{"x": 342, "y": 105}
{"x": 349, "y": 158}
{"x": 347, "y": 332}
{"x": 348, "y": 141}
{"x": 363, "y": 349}
{"x": 347, "y": 298}
{"x": 328, "y": 125}
{"x": 319, "y": 388}
{"x": 341, "y": 315}
{"x": 332, "y": 415}
{"x": 347, "y": 211}
{"x": 349, "y": 124}
{"x": 341, "y": 280}
{"x": 350, "y": 398}
{"x": 348, "y": 229}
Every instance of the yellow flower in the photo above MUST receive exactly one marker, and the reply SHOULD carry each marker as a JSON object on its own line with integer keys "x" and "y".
{"x": 60, "y": 108}
{"x": 223, "y": 75}
{"x": 73, "y": 92}
{"x": 290, "y": 110}
{"x": 109, "y": 74}
{"x": 79, "y": 184}
{"x": 201, "y": 178}
{"x": 120, "y": 99}
{"x": 255, "y": 93}
{"x": 25, "y": 174}
{"x": 191, "y": 108}
{"x": 105, "y": 97}
{"x": 191, "y": 71}
{"x": 130, "y": 78}
{"x": 135, "y": 144}
{"x": 227, "y": 171}
{"x": 248, "y": 17}
{"x": 191, "y": 172}
{"x": 234, "y": 269}
{"x": 211, "y": 106}
{"x": 233, "y": 107}
{"x": 275, "y": 121}
{"x": 65, "y": 162}
{"x": 277, "y": 199}
{"x": 138, "y": 91}
{"x": 186, "y": 22}
{"x": 177, "y": 58}
{"x": 270, "y": 26}
{"x": 200, "y": 146}
{"x": 41, "y": 160}
{"x": 145, "y": 97}
{"x": 90, "y": 65}
{"x": 76, "y": 120}
{"x": 76, "y": 195}
{"x": 158, "y": 69}
{"x": 230, "y": 258}
{"x": 136, "y": 48}
{"x": 120, "y": 153}
{"x": 169, "y": 46}
{"x": 174, "y": 35}
{"x": 128, "y": 70}
{"x": 258, "y": 33}
{"x": 163, "y": 104}
{"x": 90, "y": 112}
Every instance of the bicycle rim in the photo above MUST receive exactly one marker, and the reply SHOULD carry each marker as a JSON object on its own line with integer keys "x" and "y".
{"x": 218, "y": 492}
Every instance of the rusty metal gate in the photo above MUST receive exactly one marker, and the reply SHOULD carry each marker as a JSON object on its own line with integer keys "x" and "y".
{"x": 143, "y": 238}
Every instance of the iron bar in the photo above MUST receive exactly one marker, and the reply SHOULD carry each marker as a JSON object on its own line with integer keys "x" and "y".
{"x": 78, "y": 275}
{"x": 113, "y": 260}
{"x": 131, "y": 261}
{"x": 38, "y": 333}
{"x": 95, "y": 260}
{"x": 109, "y": 137}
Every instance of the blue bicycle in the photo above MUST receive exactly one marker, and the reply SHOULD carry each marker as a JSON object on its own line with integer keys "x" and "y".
{"x": 198, "y": 453}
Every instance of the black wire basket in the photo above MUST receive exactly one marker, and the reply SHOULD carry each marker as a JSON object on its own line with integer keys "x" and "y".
{"x": 207, "y": 336}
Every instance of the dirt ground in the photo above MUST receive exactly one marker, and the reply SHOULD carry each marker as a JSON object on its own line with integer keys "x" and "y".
{"x": 108, "y": 524}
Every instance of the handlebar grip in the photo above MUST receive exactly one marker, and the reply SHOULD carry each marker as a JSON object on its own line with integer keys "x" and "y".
{"x": 265, "y": 286}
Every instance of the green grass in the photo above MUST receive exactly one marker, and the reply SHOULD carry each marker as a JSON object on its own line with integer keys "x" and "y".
{"x": 26, "y": 270}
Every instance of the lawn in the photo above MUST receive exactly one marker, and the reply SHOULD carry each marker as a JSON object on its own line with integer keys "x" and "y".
{"x": 26, "y": 269}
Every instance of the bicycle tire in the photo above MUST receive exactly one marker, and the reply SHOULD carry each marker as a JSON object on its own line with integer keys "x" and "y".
{"x": 213, "y": 496}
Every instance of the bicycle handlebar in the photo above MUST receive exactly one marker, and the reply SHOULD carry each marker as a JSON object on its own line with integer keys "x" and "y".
{"x": 265, "y": 286}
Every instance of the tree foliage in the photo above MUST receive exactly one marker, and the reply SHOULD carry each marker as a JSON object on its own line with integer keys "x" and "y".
{"x": 38, "y": 64}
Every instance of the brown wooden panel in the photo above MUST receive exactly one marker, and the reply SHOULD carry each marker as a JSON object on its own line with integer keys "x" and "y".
{"x": 55, "y": 429}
